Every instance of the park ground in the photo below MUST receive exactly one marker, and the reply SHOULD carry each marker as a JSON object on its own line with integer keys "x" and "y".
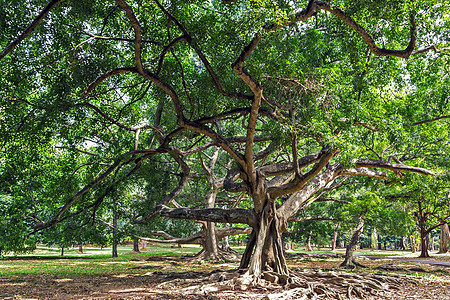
{"x": 169, "y": 273}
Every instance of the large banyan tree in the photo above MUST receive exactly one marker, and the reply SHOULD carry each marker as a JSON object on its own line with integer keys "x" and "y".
{"x": 299, "y": 94}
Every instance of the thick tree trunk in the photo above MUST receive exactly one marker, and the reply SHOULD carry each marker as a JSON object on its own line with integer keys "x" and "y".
{"x": 444, "y": 238}
{"x": 268, "y": 252}
{"x": 210, "y": 246}
{"x": 349, "y": 261}
{"x": 80, "y": 248}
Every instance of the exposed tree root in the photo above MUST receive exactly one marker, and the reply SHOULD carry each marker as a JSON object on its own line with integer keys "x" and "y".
{"x": 305, "y": 284}
{"x": 221, "y": 256}
{"x": 351, "y": 264}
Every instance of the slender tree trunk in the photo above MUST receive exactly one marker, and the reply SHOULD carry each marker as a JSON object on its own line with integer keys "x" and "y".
{"x": 114, "y": 241}
{"x": 136, "y": 245}
{"x": 374, "y": 238}
{"x": 413, "y": 244}
{"x": 349, "y": 261}
{"x": 423, "y": 243}
{"x": 308, "y": 242}
{"x": 444, "y": 238}
{"x": 335, "y": 236}
{"x": 333, "y": 242}
{"x": 62, "y": 250}
{"x": 144, "y": 245}
{"x": 378, "y": 242}
{"x": 211, "y": 250}
{"x": 403, "y": 243}
{"x": 210, "y": 247}
{"x": 226, "y": 245}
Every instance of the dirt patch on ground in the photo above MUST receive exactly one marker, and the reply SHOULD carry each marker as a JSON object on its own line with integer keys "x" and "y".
{"x": 176, "y": 278}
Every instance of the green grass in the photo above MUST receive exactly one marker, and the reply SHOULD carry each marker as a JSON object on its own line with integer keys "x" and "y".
{"x": 93, "y": 262}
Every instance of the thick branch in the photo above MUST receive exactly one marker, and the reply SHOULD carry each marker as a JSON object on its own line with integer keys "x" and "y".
{"x": 373, "y": 163}
{"x": 227, "y": 231}
{"x": 256, "y": 88}
{"x": 365, "y": 172}
{"x": 315, "y": 5}
{"x": 237, "y": 215}
{"x": 137, "y": 34}
{"x": 300, "y": 181}
{"x": 368, "y": 39}
{"x": 283, "y": 168}
{"x": 292, "y": 204}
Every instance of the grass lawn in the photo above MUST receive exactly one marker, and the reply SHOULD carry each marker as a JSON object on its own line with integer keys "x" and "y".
{"x": 161, "y": 272}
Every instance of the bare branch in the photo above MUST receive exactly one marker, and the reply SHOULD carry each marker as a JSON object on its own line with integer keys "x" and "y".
{"x": 315, "y": 5}
{"x": 429, "y": 121}
{"x": 105, "y": 76}
{"x": 429, "y": 48}
{"x": 283, "y": 168}
{"x": 202, "y": 57}
{"x": 30, "y": 28}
